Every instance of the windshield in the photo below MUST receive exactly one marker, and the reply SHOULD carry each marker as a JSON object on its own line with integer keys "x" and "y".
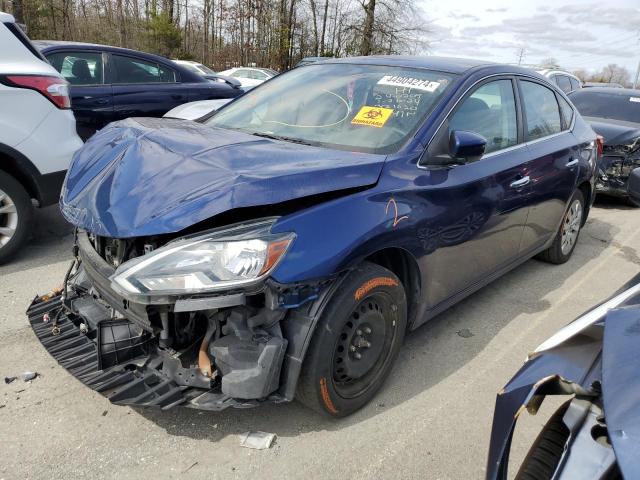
{"x": 206, "y": 70}
{"x": 364, "y": 108}
{"x": 198, "y": 68}
{"x": 617, "y": 106}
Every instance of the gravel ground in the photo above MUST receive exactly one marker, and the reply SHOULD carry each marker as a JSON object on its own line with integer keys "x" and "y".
{"x": 432, "y": 419}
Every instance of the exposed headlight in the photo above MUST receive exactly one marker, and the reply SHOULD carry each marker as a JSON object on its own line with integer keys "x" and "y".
{"x": 216, "y": 260}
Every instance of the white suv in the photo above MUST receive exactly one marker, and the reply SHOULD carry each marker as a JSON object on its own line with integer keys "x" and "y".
{"x": 37, "y": 134}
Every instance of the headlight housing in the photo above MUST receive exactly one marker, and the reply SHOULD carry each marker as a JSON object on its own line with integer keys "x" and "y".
{"x": 216, "y": 260}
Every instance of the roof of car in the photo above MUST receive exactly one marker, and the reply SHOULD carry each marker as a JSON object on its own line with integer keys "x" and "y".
{"x": 47, "y": 44}
{"x": 6, "y": 18}
{"x": 443, "y": 64}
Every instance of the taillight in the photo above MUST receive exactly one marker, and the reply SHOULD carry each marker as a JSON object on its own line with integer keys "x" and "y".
{"x": 600, "y": 144}
{"x": 54, "y": 88}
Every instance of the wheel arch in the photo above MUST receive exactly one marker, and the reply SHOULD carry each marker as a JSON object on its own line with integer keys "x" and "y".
{"x": 585, "y": 188}
{"x": 20, "y": 167}
{"x": 404, "y": 265}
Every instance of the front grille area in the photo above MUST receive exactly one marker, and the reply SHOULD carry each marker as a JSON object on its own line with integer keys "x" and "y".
{"x": 116, "y": 251}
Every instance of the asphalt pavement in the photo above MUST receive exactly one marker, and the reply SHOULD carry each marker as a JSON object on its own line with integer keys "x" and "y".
{"x": 431, "y": 420}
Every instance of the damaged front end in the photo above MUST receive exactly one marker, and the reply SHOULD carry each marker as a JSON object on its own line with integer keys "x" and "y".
{"x": 596, "y": 434}
{"x": 193, "y": 322}
{"x": 614, "y": 172}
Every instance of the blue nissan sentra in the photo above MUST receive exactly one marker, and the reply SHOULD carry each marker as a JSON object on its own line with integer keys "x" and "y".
{"x": 282, "y": 247}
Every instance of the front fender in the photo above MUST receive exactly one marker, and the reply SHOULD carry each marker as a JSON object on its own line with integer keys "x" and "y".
{"x": 332, "y": 237}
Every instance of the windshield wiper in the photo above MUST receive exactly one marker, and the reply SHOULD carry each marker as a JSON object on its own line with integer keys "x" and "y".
{"x": 285, "y": 139}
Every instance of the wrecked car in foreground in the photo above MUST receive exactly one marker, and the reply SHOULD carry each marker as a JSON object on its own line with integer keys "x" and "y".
{"x": 281, "y": 248}
{"x": 614, "y": 113}
{"x": 595, "y": 434}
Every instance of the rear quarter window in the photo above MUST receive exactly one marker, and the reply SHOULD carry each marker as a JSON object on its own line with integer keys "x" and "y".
{"x": 575, "y": 84}
{"x": 564, "y": 83}
{"x": 567, "y": 113}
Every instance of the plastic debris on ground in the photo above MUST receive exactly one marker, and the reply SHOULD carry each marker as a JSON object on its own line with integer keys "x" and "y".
{"x": 27, "y": 376}
{"x": 257, "y": 440}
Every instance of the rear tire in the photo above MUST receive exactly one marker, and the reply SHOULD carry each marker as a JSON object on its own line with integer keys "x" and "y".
{"x": 356, "y": 342}
{"x": 566, "y": 238}
{"x": 545, "y": 453}
{"x": 16, "y": 216}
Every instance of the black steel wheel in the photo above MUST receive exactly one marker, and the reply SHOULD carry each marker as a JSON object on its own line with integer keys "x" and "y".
{"x": 356, "y": 342}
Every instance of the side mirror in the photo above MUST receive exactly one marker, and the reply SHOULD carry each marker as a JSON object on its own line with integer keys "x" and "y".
{"x": 466, "y": 145}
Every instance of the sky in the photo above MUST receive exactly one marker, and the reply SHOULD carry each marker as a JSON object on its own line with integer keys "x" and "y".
{"x": 579, "y": 34}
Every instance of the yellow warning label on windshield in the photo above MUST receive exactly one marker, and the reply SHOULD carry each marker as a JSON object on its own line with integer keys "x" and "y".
{"x": 372, "y": 116}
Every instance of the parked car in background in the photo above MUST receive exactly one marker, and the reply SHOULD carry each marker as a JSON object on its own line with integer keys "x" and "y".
{"x": 284, "y": 246}
{"x": 209, "y": 74}
{"x": 37, "y": 134}
{"x": 595, "y": 434}
{"x": 250, "y": 76}
{"x": 196, "y": 67}
{"x": 613, "y": 113}
{"x": 601, "y": 84}
{"x": 564, "y": 80}
{"x": 199, "y": 111}
{"x": 111, "y": 83}
{"x": 309, "y": 60}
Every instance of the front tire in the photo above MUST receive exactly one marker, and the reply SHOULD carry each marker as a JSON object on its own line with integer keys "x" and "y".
{"x": 566, "y": 239}
{"x": 356, "y": 342}
{"x": 16, "y": 214}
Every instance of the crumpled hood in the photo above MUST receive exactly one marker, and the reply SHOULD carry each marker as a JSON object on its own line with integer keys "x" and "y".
{"x": 147, "y": 176}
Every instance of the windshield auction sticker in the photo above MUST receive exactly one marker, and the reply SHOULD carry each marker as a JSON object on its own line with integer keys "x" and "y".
{"x": 409, "y": 82}
{"x": 372, "y": 116}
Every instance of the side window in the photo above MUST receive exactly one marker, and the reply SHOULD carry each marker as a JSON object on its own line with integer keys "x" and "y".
{"x": 541, "y": 110}
{"x": 134, "y": 70}
{"x": 575, "y": 84}
{"x": 259, "y": 75}
{"x": 490, "y": 111}
{"x": 241, "y": 74}
{"x": 79, "y": 68}
{"x": 567, "y": 113}
{"x": 564, "y": 83}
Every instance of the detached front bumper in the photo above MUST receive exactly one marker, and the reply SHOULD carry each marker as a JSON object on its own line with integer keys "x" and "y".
{"x": 229, "y": 349}
{"x": 145, "y": 376}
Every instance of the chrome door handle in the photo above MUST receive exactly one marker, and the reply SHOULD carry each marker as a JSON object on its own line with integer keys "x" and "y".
{"x": 520, "y": 182}
{"x": 572, "y": 163}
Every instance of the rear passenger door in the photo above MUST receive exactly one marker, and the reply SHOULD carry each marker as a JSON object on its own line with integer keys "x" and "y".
{"x": 143, "y": 88}
{"x": 91, "y": 96}
{"x": 553, "y": 168}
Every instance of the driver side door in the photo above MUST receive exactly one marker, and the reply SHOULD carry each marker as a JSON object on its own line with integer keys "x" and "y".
{"x": 481, "y": 205}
